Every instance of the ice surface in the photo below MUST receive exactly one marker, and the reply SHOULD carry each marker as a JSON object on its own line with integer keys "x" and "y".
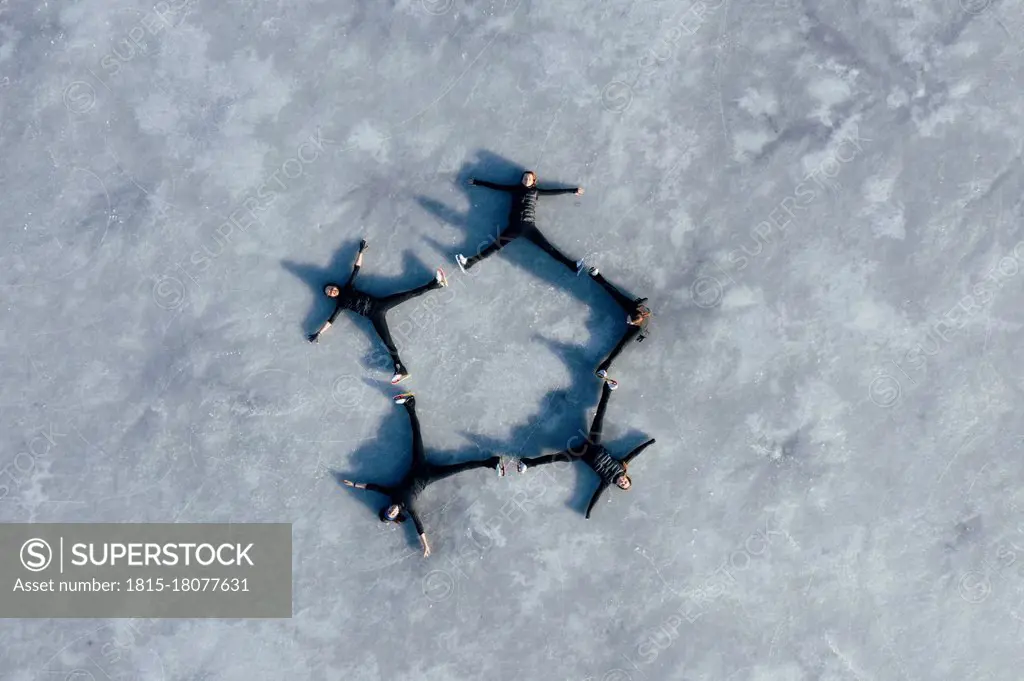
{"x": 822, "y": 200}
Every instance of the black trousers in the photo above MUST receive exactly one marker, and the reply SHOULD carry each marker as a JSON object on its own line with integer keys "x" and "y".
{"x": 629, "y": 306}
{"x": 564, "y": 455}
{"x": 597, "y": 425}
{"x": 428, "y": 472}
{"x": 378, "y": 317}
{"x": 593, "y": 437}
{"x": 529, "y": 231}
{"x": 631, "y": 333}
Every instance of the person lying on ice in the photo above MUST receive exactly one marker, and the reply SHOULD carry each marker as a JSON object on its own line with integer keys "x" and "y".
{"x": 522, "y": 221}
{"x": 348, "y": 297}
{"x": 610, "y": 471}
{"x": 402, "y": 496}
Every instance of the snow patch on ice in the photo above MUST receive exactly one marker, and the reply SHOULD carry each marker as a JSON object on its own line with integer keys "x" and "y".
{"x": 829, "y": 92}
{"x": 758, "y": 103}
{"x": 742, "y": 296}
{"x": 747, "y": 143}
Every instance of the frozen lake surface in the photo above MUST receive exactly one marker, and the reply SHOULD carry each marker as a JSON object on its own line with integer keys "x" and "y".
{"x": 822, "y": 201}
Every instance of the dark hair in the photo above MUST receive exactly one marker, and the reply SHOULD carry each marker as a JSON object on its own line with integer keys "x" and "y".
{"x": 400, "y": 518}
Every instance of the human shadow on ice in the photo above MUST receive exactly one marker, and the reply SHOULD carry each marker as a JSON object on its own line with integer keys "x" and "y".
{"x": 338, "y": 271}
{"x": 385, "y": 459}
{"x": 487, "y": 217}
{"x": 562, "y": 421}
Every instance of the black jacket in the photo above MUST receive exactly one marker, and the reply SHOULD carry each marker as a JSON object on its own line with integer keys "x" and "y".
{"x": 607, "y": 468}
{"x": 352, "y": 299}
{"x": 405, "y": 492}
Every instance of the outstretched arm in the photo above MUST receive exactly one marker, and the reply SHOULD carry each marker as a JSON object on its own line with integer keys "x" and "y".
{"x": 597, "y": 495}
{"x": 494, "y": 185}
{"x": 369, "y": 486}
{"x": 315, "y": 336}
{"x": 359, "y": 261}
{"x": 578, "y": 191}
{"x": 420, "y": 531}
{"x": 636, "y": 452}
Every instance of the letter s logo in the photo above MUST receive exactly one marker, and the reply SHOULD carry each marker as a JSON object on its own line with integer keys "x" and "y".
{"x": 36, "y": 555}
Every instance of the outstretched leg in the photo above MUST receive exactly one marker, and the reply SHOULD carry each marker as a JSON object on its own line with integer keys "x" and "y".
{"x": 564, "y": 455}
{"x": 534, "y": 235}
{"x": 624, "y": 301}
{"x": 380, "y": 324}
{"x": 504, "y": 239}
{"x": 630, "y": 334}
{"x": 388, "y": 302}
{"x": 419, "y": 456}
{"x": 597, "y": 427}
{"x": 442, "y": 472}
